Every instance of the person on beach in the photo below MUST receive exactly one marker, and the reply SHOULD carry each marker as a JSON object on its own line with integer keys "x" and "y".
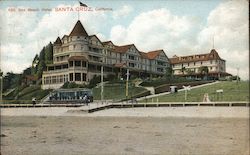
{"x": 85, "y": 99}
{"x": 33, "y": 101}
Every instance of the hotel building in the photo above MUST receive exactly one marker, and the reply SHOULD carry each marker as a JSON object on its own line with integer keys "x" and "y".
{"x": 78, "y": 57}
{"x": 191, "y": 66}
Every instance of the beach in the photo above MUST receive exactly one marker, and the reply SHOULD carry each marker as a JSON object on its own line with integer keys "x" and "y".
{"x": 171, "y": 130}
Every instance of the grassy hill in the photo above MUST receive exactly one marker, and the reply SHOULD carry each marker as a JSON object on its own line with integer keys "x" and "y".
{"x": 231, "y": 92}
{"x": 25, "y": 94}
{"x": 117, "y": 91}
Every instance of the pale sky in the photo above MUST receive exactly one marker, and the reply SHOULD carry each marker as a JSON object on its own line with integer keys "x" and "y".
{"x": 179, "y": 27}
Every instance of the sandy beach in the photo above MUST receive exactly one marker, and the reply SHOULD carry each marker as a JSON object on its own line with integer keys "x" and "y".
{"x": 179, "y": 130}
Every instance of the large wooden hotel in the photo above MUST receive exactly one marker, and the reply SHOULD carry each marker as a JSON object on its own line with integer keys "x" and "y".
{"x": 78, "y": 57}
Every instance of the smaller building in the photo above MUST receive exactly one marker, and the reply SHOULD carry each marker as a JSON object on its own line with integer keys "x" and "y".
{"x": 209, "y": 65}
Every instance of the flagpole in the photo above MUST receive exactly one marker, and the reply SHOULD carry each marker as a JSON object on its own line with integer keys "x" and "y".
{"x": 78, "y": 11}
{"x": 78, "y": 14}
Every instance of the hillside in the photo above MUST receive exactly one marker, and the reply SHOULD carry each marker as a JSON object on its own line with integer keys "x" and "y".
{"x": 231, "y": 92}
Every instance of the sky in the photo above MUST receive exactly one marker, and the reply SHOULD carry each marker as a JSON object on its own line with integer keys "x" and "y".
{"x": 180, "y": 27}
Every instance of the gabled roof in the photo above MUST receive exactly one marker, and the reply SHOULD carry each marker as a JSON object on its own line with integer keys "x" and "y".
{"x": 123, "y": 49}
{"x": 153, "y": 54}
{"x": 78, "y": 30}
{"x": 107, "y": 42}
{"x": 58, "y": 41}
{"x": 65, "y": 36}
{"x": 143, "y": 55}
{"x": 213, "y": 55}
{"x": 91, "y": 36}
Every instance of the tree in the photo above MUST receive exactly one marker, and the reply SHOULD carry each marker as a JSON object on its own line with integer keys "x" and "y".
{"x": 169, "y": 72}
{"x": 183, "y": 69}
{"x": 204, "y": 71}
{"x": 49, "y": 54}
{"x": 41, "y": 64}
{"x": 34, "y": 65}
{"x": 11, "y": 80}
{"x": 27, "y": 71}
{"x": 189, "y": 71}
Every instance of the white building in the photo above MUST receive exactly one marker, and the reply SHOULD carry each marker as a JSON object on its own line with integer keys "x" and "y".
{"x": 78, "y": 57}
{"x": 192, "y": 65}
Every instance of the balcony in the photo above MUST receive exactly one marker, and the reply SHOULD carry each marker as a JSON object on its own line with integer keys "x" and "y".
{"x": 56, "y": 71}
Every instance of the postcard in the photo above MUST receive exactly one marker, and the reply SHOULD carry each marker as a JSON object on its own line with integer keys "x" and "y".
{"x": 124, "y": 77}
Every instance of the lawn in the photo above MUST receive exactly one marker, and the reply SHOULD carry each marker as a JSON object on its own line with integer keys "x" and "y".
{"x": 25, "y": 94}
{"x": 231, "y": 92}
{"x": 116, "y": 91}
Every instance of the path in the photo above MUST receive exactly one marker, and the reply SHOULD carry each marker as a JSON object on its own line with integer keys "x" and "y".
{"x": 166, "y": 93}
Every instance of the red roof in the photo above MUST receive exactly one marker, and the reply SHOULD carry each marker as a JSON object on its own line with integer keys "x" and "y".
{"x": 153, "y": 54}
{"x": 213, "y": 55}
{"x": 107, "y": 42}
{"x": 122, "y": 49}
{"x": 78, "y": 30}
{"x": 143, "y": 55}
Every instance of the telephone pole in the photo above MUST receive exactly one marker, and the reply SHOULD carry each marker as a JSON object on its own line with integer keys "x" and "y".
{"x": 127, "y": 83}
{"x": 102, "y": 79}
{"x": 1, "y": 77}
{"x": 238, "y": 74}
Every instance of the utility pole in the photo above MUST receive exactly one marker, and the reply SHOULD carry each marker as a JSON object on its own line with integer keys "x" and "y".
{"x": 102, "y": 78}
{"x": 1, "y": 77}
{"x": 1, "y": 91}
{"x": 238, "y": 74}
{"x": 127, "y": 83}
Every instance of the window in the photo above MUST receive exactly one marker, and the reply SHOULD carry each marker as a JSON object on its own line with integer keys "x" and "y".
{"x": 77, "y": 76}
{"x": 211, "y": 68}
{"x": 211, "y": 62}
{"x": 78, "y": 63}
{"x": 131, "y": 65}
{"x": 160, "y": 69}
{"x": 71, "y": 64}
{"x": 53, "y": 79}
{"x": 131, "y": 57}
{"x": 84, "y": 77}
{"x": 194, "y": 63}
{"x": 70, "y": 76}
{"x": 61, "y": 79}
{"x": 201, "y": 62}
{"x": 84, "y": 64}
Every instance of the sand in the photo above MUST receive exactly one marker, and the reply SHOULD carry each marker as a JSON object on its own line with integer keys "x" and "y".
{"x": 142, "y": 131}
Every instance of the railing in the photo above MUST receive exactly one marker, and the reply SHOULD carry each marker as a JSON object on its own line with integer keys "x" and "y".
{"x": 56, "y": 71}
{"x": 126, "y": 104}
